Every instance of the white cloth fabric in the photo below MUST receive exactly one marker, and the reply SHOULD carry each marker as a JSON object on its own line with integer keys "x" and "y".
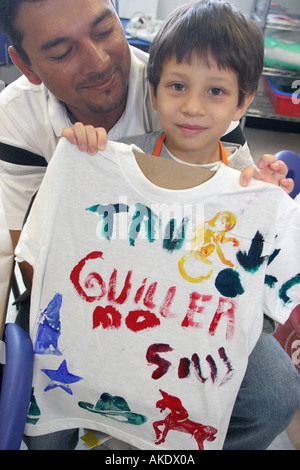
{"x": 126, "y": 341}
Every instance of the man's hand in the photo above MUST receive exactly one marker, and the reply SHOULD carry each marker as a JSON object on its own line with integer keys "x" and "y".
{"x": 88, "y": 138}
{"x": 271, "y": 171}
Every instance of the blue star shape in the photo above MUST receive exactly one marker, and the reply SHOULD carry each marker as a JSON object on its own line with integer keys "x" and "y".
{"x": 61, "y": 378}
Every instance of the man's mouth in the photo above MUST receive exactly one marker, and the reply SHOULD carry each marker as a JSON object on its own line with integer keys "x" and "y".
{"x": 99, "y": 82}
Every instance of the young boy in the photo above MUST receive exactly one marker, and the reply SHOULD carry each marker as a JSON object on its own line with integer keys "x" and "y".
{"x": 204, "y": 68}
{"x": 138, "y": 330}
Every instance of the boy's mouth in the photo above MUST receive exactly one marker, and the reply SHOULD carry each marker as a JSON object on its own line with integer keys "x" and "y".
{"x": 189, "y": 129}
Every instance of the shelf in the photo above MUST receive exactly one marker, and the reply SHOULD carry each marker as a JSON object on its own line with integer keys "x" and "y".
{"x": 284, "y": 26}
{"x": 281, "y": 72}
{"x": 262, "y": 108}
{"x": 269, "y": 24}
{"x": 264, "y": 15}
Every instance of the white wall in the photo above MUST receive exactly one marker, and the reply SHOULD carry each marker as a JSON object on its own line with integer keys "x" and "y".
{"x": 161, "y": 8}
{"x": 166, "y": 6}
{"x": 128, "y": 7}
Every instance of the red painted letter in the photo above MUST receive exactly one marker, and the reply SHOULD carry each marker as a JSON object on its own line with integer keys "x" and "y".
{"x": 75, "y": 278}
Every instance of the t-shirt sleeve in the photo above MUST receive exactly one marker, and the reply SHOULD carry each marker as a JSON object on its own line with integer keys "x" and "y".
{"x": 21, "y": 173}
{"x": 241, "y": 159}
{"x": 282, "y": 281}
{"x": 139, "y": 141}
{"x": 34, "y": 231}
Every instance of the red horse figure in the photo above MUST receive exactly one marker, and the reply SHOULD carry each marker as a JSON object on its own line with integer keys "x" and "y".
{"x": 177, "y": 420}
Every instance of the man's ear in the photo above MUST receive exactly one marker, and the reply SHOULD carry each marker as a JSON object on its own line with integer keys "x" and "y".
{"x": 240, "y": 110}
{"x": 25, "y": 68}
{"x": 153, "y": 97}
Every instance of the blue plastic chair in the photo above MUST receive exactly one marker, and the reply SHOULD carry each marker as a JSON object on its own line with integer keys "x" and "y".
{"x": 292, "y": 160}
{"x": 16, "y": 386}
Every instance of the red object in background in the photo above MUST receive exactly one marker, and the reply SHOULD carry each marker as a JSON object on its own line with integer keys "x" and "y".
{"x": 285, "y": 103}
{"x": 288, "y": 336}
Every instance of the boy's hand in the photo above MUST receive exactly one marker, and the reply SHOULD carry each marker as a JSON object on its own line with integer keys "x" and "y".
{"x": 271, "y": 171}
{"x": 88, "y": 138}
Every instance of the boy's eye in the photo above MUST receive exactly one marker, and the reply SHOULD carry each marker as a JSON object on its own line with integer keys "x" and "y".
{"x": 178, "y": 87}
{"x": 216, "y": 91}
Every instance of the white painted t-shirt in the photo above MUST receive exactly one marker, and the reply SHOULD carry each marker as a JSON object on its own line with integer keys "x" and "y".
{"x": 147, "y": 301}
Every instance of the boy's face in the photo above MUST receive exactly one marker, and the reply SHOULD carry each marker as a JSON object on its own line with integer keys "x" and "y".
{"x": 196, "y": 105}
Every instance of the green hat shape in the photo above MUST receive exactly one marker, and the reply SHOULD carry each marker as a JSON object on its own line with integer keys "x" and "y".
{"x": 114, "y": 407}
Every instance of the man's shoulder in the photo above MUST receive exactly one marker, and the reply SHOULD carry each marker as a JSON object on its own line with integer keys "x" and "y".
{"x": 21, "y": 89}
{"x": 21, "y": 99}
{"x": 139, "y": 55}
{"x": 30, "y": 118}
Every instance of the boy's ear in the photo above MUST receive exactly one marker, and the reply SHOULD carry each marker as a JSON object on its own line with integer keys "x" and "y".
{"x": 240, "y": 110}
{"x": 153, "y": 97}
{"x": 25, "y": 68}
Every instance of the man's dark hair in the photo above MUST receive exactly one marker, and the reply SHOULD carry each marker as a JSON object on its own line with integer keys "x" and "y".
{"x": 8, "y": 13}
{"x": 211, "y": 30}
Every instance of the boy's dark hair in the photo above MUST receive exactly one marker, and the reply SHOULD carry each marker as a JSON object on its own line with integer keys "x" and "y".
{"x": 213, "y": 30}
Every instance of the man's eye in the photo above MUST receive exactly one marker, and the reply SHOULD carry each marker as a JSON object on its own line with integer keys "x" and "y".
{"x": 103, "y": 34}
{"x": 63, "y": 56}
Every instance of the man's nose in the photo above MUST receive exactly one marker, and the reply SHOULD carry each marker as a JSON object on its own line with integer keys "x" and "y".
{"x": 93, "y": 57}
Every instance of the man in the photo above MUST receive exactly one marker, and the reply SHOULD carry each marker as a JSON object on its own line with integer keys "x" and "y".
{"x": 78, "y": 66}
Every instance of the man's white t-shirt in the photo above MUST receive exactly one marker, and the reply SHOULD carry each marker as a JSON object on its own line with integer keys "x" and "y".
{"x": 147, "y": 301}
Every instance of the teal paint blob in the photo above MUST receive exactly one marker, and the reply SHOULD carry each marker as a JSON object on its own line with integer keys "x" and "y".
{"x": 228, "y": 283}
{"x": 252, "y": 260}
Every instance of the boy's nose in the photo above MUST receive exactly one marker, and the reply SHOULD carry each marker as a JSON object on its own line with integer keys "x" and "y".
{"x": 193, "y": 105}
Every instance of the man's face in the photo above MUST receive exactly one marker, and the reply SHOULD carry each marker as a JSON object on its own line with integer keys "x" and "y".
{"x": 78, "y": 49}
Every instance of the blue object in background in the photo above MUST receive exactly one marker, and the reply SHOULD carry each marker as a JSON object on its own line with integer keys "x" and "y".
{"x": 138, "y": 43}
{"x": 292, "y": 160}
{"x": 4, "y": 54}
{"x": 16, "y": 386}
